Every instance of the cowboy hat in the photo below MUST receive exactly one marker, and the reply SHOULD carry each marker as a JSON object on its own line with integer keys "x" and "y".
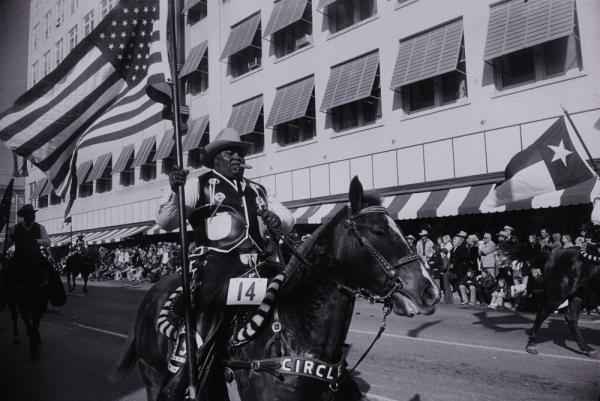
{"x": 410, "y": 236}
{"x": 462, "y": 233}
{"x": 423, "y": 232}
{"x": 26, "y": 209}
{"x": 228, "y": 138}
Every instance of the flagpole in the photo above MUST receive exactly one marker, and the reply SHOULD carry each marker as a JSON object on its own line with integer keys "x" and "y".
{"x": 185, "y": 279}
{"x": 9, "y": 187}
{"x": 587, "y": 151}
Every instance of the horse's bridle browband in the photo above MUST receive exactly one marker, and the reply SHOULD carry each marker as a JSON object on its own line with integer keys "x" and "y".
{"x": 388, "y": 269}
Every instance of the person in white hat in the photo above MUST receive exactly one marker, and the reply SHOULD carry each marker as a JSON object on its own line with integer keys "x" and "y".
{"x": 424, "y": 246}
{"x": 232, "y": 217}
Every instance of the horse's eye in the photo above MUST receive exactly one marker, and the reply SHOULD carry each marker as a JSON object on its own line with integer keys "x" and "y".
{"x": 378, "y": 232}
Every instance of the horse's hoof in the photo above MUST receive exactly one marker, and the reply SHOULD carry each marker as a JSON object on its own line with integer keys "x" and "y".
{"x": 532, "y": 349}
{"x": 591, "y": 352}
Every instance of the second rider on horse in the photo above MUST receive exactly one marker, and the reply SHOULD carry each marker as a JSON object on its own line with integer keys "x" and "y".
{"x": 231, "y": 217}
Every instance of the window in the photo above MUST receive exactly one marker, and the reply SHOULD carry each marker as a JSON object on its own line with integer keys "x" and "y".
{"x": 294, "y": 36}
{"x": 148, "y": 170}
{"x": 537, "y": 63}
{"x": 169, "y": 162}
{"x": 256, "y": 137}
{"x": 127, "y": 176}
{"x": 46, "y": 63}
{"x": 55, "y": 199}
{"x": 60, "y": 12}
{"x": 296, "y": 131}
{"x": 345, "y": 13}
{"x": 360, "y": 112}
{"x": 88, "y": 23}
{"x": 104, "y": 183}
{"x": 195, "y": 155}
{"x": 36, "y": 36}
{"x": 106, "y": 6}
{"x": 86, "y": 189}
{"x": 73, "y": 38}
{"x": 35, "y": 72}
{"x": 243, "y": 48}
{"x": 247, "y": 59}
{"x": 58, "y": 52}
{"x": 47, "y": 22}
{"x": 74, "y": 6}
{"x": 43, "y": 201}
{"x": 197, "y": 82}
{"x": 436, "y": 91}
{"x": 197, "y": 13}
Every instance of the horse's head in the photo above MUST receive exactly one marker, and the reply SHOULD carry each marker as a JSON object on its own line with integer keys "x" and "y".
{"x": 380, "y": 260}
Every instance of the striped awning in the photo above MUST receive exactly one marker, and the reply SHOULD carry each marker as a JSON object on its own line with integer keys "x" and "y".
{"x": 100, "y": 236}
{"x": 428, "y": 55}
{"x": 124, "y": 157}
{"x": 291, "y": 101}
{"x": 350, "y": 81}
{"x": 165, "y": 147}
{"x": 285, "y": 13}
{"x": 193, "y": 60}
{"x": 48, "y": 190}
{"x": 39, "y": 187}
{"x": 453, "y": 202}
{"x": 191, "y": 4}
{"x": 241, "y": 36}
{"x": 196, "y": 130}
{"x": 143, "y": 154}
{"x": 83, "y": 170}
{"x": 155, "y": 229}
{"x": 99, "y": 167}
{"x": 245, "y": 115}
{"x": 516, "y": 25}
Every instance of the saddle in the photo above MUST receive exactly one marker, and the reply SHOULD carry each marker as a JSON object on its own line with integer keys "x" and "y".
{"x": 590, "y": 253}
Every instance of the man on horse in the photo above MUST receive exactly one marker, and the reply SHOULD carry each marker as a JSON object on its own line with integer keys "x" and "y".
{"x": 231, "y": 217}
{"x": 26, "y": 277}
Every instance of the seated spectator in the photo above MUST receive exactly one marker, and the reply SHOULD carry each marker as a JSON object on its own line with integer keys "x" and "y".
{"x": 467, "y": 286}
{"x": 447, "y": 242}
{"x": 487, "y": 255}
{"x": 485, "y": 286}
{"x": 518, "y": 289}
{"x": 498, "y": 294}
{"x": 535, "y": 286}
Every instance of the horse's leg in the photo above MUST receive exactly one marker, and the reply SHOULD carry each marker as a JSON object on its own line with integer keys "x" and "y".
{"x": 152, "y": 379}
{"x": 572, "y": 317}
{"x": 25, "y": 310}
{"x": 14, "y": 316}
{"x": 85, "y": 281}
{"x": 542, "y": 315}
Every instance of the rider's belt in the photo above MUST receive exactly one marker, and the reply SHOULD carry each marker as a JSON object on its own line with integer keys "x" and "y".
{"x": 292, "y": 365}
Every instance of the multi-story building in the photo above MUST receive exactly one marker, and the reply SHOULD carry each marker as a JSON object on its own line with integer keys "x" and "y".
{"x": 424, "y": 100}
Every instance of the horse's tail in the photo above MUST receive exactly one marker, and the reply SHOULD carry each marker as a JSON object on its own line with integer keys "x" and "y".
{"x": 128, "y": 358}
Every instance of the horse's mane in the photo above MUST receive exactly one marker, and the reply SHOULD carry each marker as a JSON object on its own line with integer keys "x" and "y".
{"x": 314, "y": 247}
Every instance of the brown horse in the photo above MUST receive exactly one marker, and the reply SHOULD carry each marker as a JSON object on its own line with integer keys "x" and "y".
{"x": 361, "y": 249}
{"x": 567, "y": 277}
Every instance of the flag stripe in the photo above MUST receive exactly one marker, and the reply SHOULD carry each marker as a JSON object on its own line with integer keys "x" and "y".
{"x": 36, "y": 110}
{"x": 69, "y": 117}
{"x": 125, "y": 132}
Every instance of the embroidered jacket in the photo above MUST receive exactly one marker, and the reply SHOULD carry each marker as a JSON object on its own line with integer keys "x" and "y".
{"x": 224, "y": 212}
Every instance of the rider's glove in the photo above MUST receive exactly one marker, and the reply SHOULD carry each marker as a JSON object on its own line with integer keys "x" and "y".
{"x": 270, "y": 219}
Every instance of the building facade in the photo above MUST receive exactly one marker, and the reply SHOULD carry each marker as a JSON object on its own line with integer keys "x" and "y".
{"x": 425, "y": 101}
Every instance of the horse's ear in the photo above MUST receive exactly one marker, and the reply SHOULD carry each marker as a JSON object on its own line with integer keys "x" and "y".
{"x": 356, "y": 195}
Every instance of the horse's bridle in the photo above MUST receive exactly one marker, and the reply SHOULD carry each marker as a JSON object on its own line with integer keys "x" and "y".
{"x": 389, "y": 270}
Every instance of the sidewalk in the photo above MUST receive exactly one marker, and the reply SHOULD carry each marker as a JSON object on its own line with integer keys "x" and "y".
{"x": 134, "y": 285}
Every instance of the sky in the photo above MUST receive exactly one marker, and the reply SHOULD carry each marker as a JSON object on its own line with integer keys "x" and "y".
{"x": 14, "y": 23}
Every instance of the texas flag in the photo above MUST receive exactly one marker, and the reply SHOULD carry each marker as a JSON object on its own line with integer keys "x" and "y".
{"x": 552, "y": 163}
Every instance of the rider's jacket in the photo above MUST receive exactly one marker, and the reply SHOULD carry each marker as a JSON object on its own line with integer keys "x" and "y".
{"x": 224, "y": 213}
{"x": 26, "y": 245}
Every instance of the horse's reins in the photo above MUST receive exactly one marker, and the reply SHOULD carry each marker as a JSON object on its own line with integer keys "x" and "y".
{"x": 382, "y": 262}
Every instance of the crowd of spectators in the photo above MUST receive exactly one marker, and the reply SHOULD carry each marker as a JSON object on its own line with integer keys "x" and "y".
{"x": 476, "y": 270}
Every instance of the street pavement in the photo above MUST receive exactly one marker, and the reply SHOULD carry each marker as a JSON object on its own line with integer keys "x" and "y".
{"x": 458, "y": 353}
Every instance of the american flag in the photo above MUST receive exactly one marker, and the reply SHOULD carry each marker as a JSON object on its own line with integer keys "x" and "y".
{"x": 98, "y": 94}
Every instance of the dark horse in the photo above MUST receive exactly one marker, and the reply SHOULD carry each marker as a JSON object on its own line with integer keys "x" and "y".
{"x": 314, "y": 311}
{"x": 80, "y": 261}
{"x": 26, "y": 296}
{"x": 567, "y": 277}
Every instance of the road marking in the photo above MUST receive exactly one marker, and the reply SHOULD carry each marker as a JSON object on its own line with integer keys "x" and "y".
{"x": 76, "y": 295}
{"x": 484, "y": 347}
{"x": 378, "y": 397}
{"x": 96, "y": 329}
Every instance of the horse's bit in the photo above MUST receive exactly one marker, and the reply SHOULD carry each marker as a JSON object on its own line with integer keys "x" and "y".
{"x": 388, "y": 269}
